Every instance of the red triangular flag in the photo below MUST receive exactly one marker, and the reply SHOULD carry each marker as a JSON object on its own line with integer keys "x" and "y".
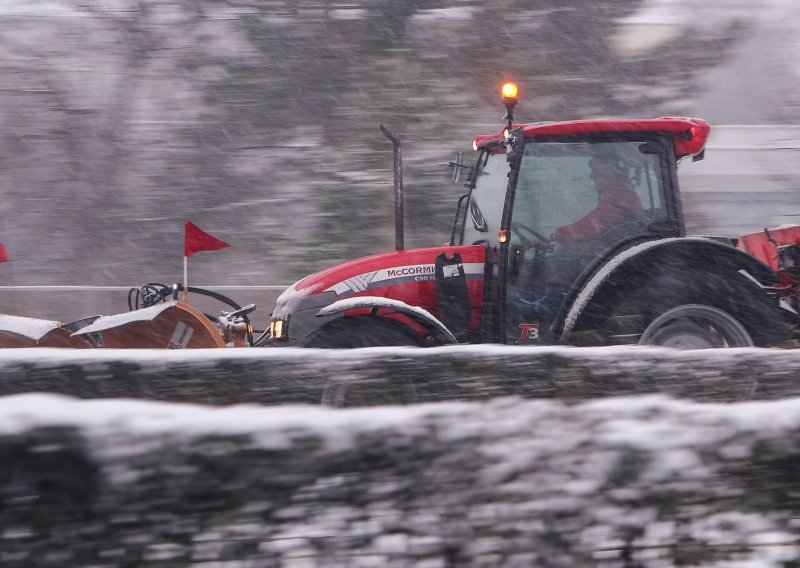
{"x": 197, "y": 240}
{"x": 3, "y": 253}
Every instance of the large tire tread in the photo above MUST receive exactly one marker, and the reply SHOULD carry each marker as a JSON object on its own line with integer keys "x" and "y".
{"x": 361, "y": 331}
{"x": 646, "y": 299}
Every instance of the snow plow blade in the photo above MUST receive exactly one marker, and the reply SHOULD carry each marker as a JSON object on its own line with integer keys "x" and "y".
{"x": 173, "y": 325}
{"x": 156, "y": 320}
{"x": 18, "y": 331}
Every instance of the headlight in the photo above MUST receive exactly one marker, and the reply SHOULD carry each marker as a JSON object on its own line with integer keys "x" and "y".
{"x": 278, "y": 329}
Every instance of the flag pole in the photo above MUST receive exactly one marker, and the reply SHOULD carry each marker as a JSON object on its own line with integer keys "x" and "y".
{"x": 186, "y": 279}
{"x": 196, "y": 240}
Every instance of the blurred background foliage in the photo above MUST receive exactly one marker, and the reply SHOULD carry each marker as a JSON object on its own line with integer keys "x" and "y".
{"x": 258, "y": 120}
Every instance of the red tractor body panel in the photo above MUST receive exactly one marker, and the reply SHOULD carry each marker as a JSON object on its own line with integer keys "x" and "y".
{"x": 690, "y": 134}
{"x": 780, "y": 250}
{"x": 764, "y": 245}
{"x": 405, "y": 275}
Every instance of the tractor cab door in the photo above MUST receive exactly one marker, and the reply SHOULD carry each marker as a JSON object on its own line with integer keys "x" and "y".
{"x": 575, "y": 204}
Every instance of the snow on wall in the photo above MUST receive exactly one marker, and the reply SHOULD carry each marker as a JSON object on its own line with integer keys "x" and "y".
{"x": 637, "y": 481}
{"x": 401, "y": 375}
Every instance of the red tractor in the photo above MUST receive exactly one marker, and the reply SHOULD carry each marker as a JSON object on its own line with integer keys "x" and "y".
{"x": 570, "y": 233}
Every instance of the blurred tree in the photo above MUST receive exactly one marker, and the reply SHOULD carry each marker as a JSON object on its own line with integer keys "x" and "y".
{"x": 101, "y": 75}
{"x": 321, "y": 79}
{"x": 259, "y": 121}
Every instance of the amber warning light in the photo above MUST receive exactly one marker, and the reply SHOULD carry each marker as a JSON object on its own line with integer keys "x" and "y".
{"x": 509, "y": 92}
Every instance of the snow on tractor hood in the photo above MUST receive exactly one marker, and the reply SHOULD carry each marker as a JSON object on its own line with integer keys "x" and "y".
{"x": 385, "y": 271}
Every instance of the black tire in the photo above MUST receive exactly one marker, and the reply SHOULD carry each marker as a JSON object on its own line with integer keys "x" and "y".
{"x": 688, "y": 311}
{"x": 361, "y": 331}
{"x": 364, "y": 331}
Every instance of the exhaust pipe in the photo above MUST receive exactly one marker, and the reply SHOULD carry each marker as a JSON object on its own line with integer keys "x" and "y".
{"x": 398, "y": 188}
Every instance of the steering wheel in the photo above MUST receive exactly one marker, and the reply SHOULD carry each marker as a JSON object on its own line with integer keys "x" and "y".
{"x": 539, "y": 243}
{"x": 609, "y": 238}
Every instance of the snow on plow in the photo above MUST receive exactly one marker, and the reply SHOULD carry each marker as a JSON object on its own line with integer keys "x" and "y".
{"x": 17, "y": 331}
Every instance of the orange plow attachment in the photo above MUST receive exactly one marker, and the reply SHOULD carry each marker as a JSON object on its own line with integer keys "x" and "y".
{"x": 16, "y": 331}
{"x": 172, "y": 325}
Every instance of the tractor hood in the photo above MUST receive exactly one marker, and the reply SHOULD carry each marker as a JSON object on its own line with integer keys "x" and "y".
{"x": 408, "y": 276}
{"x": 401, "y": 275}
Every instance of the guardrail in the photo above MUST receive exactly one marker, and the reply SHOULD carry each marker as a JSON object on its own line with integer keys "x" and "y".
{"x": 72, "y": 302}
{"x": 88, "y": 288}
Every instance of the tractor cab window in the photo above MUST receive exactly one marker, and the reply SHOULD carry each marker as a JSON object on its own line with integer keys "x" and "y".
{"x": 576, "y": 201}
{"x": 561, "y": 184}
{"x": 485, "y": 208}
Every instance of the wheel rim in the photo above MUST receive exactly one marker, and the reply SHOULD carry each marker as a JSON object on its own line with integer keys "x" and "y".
{"x": 696, "y": 326}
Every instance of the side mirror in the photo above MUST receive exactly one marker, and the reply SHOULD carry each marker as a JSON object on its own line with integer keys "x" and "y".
{"x": 458, "y": 165}
{"x": 699, "y": 156}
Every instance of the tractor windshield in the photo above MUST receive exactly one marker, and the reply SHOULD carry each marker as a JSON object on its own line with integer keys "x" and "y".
{"x": 485, "y": 208}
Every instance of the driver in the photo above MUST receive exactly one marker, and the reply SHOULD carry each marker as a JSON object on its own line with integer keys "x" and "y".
{"x": 617, "y": 199}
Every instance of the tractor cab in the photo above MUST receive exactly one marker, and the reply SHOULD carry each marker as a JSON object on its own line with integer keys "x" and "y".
{"x": 571, "y": 232}
{"x": 554, "y": 201}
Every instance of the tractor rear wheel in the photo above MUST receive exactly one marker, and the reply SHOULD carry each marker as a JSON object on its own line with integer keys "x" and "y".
{"x": 694, "y": 311}
{"x": 696, "y": 326}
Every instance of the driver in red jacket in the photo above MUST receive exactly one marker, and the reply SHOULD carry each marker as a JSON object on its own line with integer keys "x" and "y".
{"x": 617, "y": 198}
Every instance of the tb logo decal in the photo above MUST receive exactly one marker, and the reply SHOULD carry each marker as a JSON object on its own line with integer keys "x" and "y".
{"x": 528, "y": 331}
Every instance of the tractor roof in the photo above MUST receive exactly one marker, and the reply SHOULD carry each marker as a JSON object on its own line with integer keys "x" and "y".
{"x": 690, "y": 134}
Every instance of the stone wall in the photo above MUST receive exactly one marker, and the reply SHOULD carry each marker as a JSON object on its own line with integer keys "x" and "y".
{"x": 402, "y": 375}
{"x": 639, "y": 481}
{"x": 228, "y": 456}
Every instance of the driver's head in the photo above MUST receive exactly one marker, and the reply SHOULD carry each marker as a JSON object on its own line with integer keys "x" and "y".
{"x": 607, "y": 174}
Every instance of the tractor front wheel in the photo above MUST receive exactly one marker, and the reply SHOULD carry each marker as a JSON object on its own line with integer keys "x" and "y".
{"x": 364, "y": 331}
{"x": 361, "y": 331}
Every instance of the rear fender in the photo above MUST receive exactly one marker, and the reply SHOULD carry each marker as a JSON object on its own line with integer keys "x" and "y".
{"x": 674, "y": 258}
{"x": 419, "y": 315}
